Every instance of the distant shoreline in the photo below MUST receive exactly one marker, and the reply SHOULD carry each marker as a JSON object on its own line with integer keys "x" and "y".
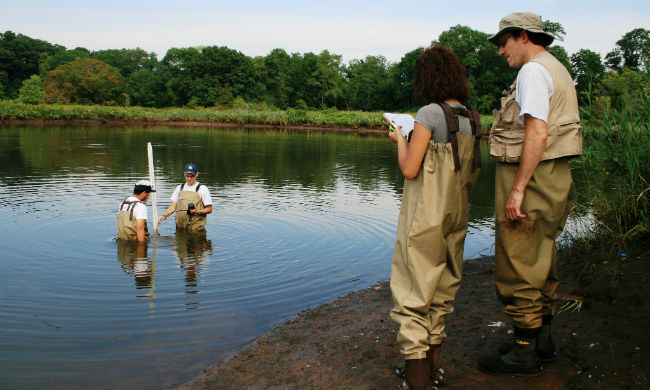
{"x": 327, "y": 119}
{"x": 97, "y": 122}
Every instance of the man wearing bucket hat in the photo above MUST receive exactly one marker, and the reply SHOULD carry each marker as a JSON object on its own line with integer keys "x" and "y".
{"x": 132, "y": 214}
{"x": 533, "y": 137}
{"x": 191, "y": 201}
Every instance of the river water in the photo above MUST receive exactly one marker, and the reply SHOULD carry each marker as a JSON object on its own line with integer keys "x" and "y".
{"x": 299, "y": 219}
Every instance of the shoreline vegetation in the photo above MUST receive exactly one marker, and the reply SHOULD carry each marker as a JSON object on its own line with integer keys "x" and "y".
{"x": 244, "y": 114}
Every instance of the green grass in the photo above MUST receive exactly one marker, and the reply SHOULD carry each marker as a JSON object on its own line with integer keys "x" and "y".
{"x": 245, "y": 114}
{"x": 615, "y": 168}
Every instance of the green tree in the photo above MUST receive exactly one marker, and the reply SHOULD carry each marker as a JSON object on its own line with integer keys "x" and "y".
{"x": 555, "y": 29}
{"x": 632, "y": 51}
{"x": 19, "y": 59}
{"x": 52, "y": 61}
{"x": 487, "y": 73}
{"x": 588, "y": 69}
{"x": 147, "y": 89}
{"x": 127, "y": 61}
{"x": 303, "y": 80}
{"x": 619, "y": 89}
{"x": 276, "y": 78}
{"x": 367, "y": 87}
{"x": 401, "y": 79}
{"x": 330, "y": 79}
{"x": 32, "y": 91}
{"x": 85, "y": 81}
{"x": 176, "y": 71}
{"x": 257, "y": 85}
{"x": 219, "y": 75}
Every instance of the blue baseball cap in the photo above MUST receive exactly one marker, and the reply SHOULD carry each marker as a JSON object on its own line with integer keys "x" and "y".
{"x": 191, "y": 168}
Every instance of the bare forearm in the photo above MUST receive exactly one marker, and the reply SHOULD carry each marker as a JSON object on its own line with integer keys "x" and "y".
{"x": 170, "y": 210}
{"x": 531, "y": 154}
{"x": 410, "y": 155}
{"x": 139, "y": 230}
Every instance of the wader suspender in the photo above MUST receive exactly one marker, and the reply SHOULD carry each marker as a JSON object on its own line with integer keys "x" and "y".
{"x": 197, "y": 187}
{"x": 451, "y": 115}
{"x": 130, "y": 207}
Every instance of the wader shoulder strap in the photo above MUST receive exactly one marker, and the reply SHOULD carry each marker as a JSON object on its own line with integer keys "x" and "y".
{"x": 130, "y": 207}
{"x": 477, "y": 131}
{"x": 451, "y": 115}
{"x": 197, "y": 187}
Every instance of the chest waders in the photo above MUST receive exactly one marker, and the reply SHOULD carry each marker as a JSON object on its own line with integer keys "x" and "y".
{"x": 525, "y": 254}
{"x": 190, "y": 222}
{"x": 126, "y": 228}
{"x": 427, "y": 260}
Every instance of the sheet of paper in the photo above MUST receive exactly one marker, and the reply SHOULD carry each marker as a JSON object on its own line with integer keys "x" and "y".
{"x": 405, "y": 120}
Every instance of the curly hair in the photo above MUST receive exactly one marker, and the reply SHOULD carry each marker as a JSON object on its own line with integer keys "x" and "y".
{"x": 439, "y": 75}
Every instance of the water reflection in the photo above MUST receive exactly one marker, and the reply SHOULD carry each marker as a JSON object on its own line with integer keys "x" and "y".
{"x": 193, "y": 251}
{"x": 134, "y": 261}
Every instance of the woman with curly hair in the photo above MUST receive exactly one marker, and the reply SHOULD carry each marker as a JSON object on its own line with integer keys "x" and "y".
{"x": 441, "y": 164}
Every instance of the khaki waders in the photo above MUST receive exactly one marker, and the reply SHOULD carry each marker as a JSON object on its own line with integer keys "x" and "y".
{"x": 190, "y": 222}
{"x": 126, "y": 228}
{"x": 526, "y": 269}
{"x": 526, "y": 275}
{"x": 427, "y": 260}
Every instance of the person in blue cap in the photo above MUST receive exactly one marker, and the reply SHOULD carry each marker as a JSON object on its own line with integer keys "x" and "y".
{"x": 191, "y": 201}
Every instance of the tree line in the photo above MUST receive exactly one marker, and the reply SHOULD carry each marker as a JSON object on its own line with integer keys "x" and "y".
{"x": 36, "y": 71}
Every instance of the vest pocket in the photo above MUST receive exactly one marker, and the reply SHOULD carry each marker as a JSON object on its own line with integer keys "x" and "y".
{"x": 505, "y": 145}
{"x": 510, "y": 113}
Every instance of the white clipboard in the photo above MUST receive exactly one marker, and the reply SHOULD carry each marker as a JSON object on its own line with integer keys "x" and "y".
{"x": 405, "y": 120}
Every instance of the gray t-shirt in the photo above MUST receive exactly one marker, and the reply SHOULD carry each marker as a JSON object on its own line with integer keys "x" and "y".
{"x": 433, "y": 119}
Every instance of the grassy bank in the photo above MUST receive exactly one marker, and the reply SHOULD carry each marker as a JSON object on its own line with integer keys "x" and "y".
{"x": 612, "y": 180}
{"x": 615, "y": 168}
{"x": 244, "y": 114}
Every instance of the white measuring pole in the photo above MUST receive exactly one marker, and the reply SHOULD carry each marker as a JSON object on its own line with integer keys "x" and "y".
{"x": 153, "y": 183}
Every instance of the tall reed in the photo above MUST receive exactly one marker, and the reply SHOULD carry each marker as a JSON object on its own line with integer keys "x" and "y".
{"x": 615, "y": 167}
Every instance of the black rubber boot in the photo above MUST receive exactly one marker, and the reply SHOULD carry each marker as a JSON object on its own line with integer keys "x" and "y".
{"x": 522, "y": 359}
{"x": 545, "y": 345}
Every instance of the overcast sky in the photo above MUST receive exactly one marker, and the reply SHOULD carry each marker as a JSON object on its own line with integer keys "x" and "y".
{"x": 353, "y": 29}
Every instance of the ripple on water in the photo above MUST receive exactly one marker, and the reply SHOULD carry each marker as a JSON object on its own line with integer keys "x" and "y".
{"x": 80, "y": 310}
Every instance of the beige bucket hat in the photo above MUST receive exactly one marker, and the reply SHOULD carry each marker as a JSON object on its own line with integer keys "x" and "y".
{"x": 521, "y": 21}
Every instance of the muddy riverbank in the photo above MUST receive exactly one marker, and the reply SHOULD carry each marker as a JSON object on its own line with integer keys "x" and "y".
{"x": 601, "y": 334}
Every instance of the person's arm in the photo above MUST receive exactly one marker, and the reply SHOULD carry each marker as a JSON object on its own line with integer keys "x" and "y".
{"x": 170, "y": 210}
{"x": 531, "y": 154}
{"x": 410, "y": 155}
{"x": 206, "y": 210}
{"x": 139, "y": 230}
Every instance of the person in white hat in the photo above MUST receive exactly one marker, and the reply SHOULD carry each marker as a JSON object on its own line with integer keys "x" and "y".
{"x": 132, "y": 214}
{"x": 533, "y": 137}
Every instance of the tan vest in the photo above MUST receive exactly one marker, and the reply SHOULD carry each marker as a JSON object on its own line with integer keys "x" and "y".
{"x": 192, "y": 223}
{"x": 126, "y": 229}
{"x": 564, "y": 130}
